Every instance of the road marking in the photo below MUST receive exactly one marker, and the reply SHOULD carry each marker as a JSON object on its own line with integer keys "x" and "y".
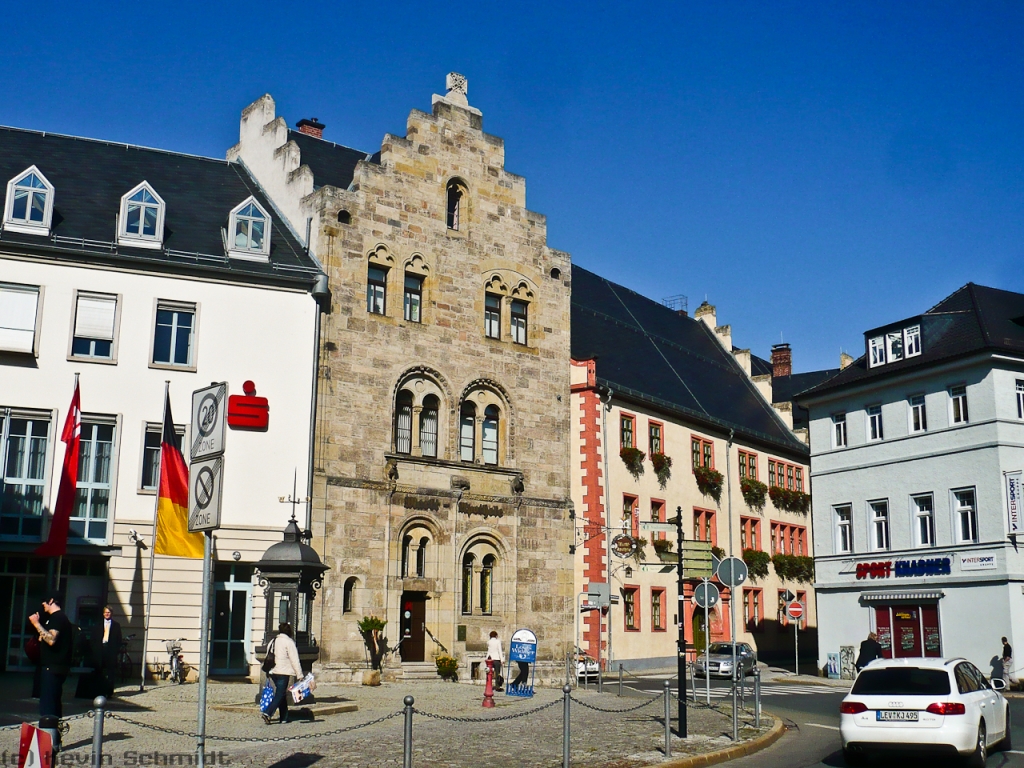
{"x": 821, "y": 725}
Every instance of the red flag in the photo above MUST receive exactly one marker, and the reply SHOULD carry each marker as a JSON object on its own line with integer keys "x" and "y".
{"x": 57, "y": 542}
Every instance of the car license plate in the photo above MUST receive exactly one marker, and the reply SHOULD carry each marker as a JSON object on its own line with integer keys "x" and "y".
{"x": 897, "y": 715}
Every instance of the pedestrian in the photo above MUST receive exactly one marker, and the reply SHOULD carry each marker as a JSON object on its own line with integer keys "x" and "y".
{"x": 1007, "y": 661}
{"x": 286, "y": 666}
{"x": 870, "y": 650}
{"x": 497, "y": 656}
{"x": 55, "y": 651}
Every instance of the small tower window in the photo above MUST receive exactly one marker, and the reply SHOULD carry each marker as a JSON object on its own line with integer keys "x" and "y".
{"x": 250, "y": 231}
{"x": 29, "y": 206}
{"x": 455, "y": 193}
{"x": 142, "y": 218}
{"x": 348, "y": 600}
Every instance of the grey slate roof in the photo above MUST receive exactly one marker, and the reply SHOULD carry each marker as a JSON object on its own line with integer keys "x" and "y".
{"x": 333, "y": 165}
{"x": 648, "y": 353}
{"x": 972, "y": 319}
{"x": 90, "y": 177}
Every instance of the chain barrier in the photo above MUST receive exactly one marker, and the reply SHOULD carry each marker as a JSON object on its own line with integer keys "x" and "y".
{"x": 245, "y": 739}
{"x": 647, "y": 703}
{"x": 63, "y": 720}
{"x": 454, "y": 719}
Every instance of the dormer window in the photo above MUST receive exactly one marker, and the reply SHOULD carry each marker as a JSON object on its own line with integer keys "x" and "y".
{"x": 876, "y": 351}
{"x": 142, "y": 218}
{"x": 29, "y": 206}
{"x": 912, "y": 340}
{"x": 894, "y": 345}
{"x": 250, "y": 232}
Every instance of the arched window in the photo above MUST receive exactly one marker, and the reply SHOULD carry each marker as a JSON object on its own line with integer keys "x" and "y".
{"x": 29, "y": 207}
{"x": 455, "y": 193}
{"x": 421, "y": 558}
{"x": 467, "y": 432}
{"x": 348, "y": 604}
{"x": 376, "y": 290}
{"x": 467, "y": 584}
{"x": 403, "y": 422}
{"x": 406, "y": 544}
{"x": 428, "y": 426}
{"x": 142, "y": 218}
{"x": 344, "y": 217}
{"x": 486, "y": 584}
{"x": 489, "y": 438}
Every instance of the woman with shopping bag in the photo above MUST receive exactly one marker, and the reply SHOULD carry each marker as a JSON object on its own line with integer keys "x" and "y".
{"x": 286, "y": 666}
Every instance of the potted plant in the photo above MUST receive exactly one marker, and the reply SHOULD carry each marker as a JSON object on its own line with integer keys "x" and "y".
{"x": 754, "y": 493}
{"x": 633, "y": 458}
{"x": 662, "y": 467}
{"x": 709, "y": 482}
{"x": 757, "y": 563}
{"x": 372, "y": 628}
{"x": 718, "y": 552}
{"x": 640, "y": 553}
{"x": 790, "y": 501}
{"x": 447, "y": 667}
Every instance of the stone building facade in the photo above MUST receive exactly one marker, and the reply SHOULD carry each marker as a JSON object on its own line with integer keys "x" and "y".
{"x": 442, "y": 493}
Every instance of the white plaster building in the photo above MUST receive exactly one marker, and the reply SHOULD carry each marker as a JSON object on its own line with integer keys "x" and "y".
{"x": 133, "y": 267}
{"x": 910, "y": 447}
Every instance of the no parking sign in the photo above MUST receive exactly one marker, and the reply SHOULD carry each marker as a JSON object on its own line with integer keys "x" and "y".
{"x": 523, "y": 651}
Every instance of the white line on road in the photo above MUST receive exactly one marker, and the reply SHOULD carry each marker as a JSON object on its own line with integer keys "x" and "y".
{"x": 821, "y": 725}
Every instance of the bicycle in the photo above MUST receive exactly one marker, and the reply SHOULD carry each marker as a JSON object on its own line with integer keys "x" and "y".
{"x": 125, "y": 665}
{"x": 179, "y": 670}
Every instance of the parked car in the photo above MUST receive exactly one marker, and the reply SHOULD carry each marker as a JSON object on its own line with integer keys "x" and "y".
{"x": 586, "y": 666}
{"x": 718, "y": 660}
{"x": 914, "y": 706}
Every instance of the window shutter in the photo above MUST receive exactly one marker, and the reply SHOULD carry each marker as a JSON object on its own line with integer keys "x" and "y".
{"x": 94, "y": 318}
{"x": 18, "y": 318}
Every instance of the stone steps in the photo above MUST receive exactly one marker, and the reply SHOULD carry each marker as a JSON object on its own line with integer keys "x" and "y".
{"x": 419, "y": 670}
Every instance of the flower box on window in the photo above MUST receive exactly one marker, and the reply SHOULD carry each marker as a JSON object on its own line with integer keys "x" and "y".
{"x": 757, "y": 563}
{"x": 633, "y": 458}
{"x": 794, "y": 567}
{"x": 709, "y": 482}
{"x": 790, "y": 501}
{"x": 754, "y": 493}
{"x": 662, "y": 467}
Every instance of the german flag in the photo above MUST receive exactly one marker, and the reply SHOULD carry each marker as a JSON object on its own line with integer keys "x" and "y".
{"x": 172, "y": 534}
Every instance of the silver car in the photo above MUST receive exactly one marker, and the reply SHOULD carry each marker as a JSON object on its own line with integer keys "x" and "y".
{"x": 718, "y": 660}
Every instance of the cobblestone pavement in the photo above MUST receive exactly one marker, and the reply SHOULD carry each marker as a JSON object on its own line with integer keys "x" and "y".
{"x": 531, "y": 737}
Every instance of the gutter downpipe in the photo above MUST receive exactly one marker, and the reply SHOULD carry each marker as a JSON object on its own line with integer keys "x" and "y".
{"x": 606, "y": 401}
{"x": 321, "y": 295}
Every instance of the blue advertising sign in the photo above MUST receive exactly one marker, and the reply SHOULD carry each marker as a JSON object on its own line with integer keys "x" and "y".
{"x": 522, "y": 651}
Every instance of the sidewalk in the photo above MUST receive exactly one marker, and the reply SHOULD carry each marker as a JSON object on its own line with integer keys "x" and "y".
{"x": 523, "y": 734}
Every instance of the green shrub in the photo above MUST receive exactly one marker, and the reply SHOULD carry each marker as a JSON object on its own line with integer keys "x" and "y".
{"x": 757, "y": 563}
{"x": 447, "y": 667}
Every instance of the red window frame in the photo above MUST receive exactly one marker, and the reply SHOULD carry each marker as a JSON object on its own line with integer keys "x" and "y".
{"x": 744, "y": 463}
{"x": 782, "y": 474}
{"x": 703, "y": 521}
{"x": 623, "y": 418}
{"x": 788, "y": 539}
{"x": 661, "y": 436}
{"x": 658, "y": 592}
{"x": 751, "y": 530}
{"x": 658, "y": 516}
{"x": 634, "y": 513}
{"x": 705, "y": 451}
{"x": 756, "y": 608}
{"x": 632, "y": 590}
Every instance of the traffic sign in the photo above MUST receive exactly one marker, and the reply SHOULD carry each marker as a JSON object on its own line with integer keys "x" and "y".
{"x": 732, "y": 572}
{"x": 651, "y": 527}
{"x": 204, "y": 492}
{"x": 706, "y": 595}
{"x": 209, "y": 406}
{"x": 697, "y": 562}
{"x": 794, "y": 611}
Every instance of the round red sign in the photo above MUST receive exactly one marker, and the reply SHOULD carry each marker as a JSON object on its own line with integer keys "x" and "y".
{"x": 795, "y": 610}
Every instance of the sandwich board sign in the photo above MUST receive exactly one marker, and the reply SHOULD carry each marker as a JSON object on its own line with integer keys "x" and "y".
{"x": 522, "y": 650}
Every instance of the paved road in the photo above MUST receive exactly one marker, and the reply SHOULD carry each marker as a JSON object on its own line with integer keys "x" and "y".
{"x": 812, "y": 716}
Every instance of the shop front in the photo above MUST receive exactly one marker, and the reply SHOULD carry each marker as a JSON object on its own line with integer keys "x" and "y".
{"x": 907, "y": 624}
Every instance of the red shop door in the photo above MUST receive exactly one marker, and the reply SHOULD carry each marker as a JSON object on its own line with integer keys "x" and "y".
{"x": 906, "y": 634}
{"x": 884, "y": 630}
{"x": 930, "y": 626}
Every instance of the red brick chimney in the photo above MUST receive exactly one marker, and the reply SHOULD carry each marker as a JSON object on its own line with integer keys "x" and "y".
{"x": 782, "y": 360}
{"x": 311, "y": 127}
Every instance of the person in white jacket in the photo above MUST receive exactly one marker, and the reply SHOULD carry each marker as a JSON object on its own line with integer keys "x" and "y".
{"x": 495, "y": 654}
{"x": 286, "y": 666}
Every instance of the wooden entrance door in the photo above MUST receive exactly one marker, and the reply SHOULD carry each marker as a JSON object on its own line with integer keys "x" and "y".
{"x": 414, "y": 621}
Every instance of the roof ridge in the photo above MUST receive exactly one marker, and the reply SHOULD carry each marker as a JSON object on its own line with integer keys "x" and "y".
{"x": 944, "y": 300}
{"x": 108, "y": 142}
{"x": 333, "y": 143}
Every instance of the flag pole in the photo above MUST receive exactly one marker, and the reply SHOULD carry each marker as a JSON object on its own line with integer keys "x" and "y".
{"x": 60, "y": 558}
{"x": 152, "y": 542}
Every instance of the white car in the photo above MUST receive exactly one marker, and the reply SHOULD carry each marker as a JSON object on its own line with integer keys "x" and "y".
{"x": 945, "y": 706}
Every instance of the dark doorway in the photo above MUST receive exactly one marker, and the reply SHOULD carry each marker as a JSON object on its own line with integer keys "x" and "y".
{"x": 414, "y": 620}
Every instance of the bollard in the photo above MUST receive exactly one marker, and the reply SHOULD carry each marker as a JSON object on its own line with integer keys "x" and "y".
{"x": 668, "y": 719}
{"x": 488, "y": 702}
{"x": 600, "y": 678}
{"x": 566, "y": 690}
{"x": 407, "y": 749}
{"x": 757, "y": 696}
{"x": 97, "y": 732}
{"x": 620, "y": 680}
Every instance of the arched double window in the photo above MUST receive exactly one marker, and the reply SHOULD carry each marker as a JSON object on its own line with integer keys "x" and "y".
{"x": 417, "y": 421}
{"x": 483, "y": 433}
{"x": 415, "y": 548}
{"x": 480, "y": 579}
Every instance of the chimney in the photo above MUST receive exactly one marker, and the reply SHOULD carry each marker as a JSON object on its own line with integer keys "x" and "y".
{"x": 706, "y": 313}
{"x": 782, "y": 360}
{"x": 845, "y": 360}
{"x": 312, "y": 127}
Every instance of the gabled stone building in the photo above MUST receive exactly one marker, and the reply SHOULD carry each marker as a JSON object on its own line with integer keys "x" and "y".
{"x": 442, "y": 492}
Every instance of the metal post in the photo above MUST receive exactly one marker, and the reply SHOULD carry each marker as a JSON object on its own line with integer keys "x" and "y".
{"x": 668, "y": 720}
{"x": 204, "y": 650}
{"x": 407, "y": 745}
{"x": 566, "y": 690}
{"x": 620, "y": 680}
{"x": 732, "y": 590}
{"x": 757, "y": 696}
{"x": 707, "y": 638}
{"x": 97, "y": 732}
{"x": 600, "y": 671}
{"x": 681, "y": 616}
{"x": 796, "y": 645}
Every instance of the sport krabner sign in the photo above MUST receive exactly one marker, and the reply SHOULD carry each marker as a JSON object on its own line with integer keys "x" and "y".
{"x": 933, "y": 566}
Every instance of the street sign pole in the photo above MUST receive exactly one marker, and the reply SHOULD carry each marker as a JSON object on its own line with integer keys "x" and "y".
{"x": 732, "y": 588}
{"x": 707, "y": 656}
{"x": 204, "y": 650}
{"x": 681, "y": 617}
{"x": 796, "y": 646}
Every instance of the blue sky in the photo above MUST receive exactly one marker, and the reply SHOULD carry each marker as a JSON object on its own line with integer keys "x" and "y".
{"x": 814, "y": 169}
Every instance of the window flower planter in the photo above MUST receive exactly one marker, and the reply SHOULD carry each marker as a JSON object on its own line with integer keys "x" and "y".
{"x": 790, "y": 501}
{"x": 757, "y": 563}
{"x": 662, "y": 468}
{"x": 754, "y": 493}
{"x": 794, "y": 567}
{"x": 709, "y": 482}
{"x": 633, "y": 458}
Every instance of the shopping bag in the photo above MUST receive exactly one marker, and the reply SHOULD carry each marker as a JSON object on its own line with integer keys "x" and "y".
{"x": 266, "y": 697}
{"x": 303, "y": 688}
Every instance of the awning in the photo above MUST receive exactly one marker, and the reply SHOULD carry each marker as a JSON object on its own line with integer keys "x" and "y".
{"x": 900, "y": 597}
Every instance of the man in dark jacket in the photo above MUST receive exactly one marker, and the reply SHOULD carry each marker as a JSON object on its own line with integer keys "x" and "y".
{"x": 870, "y": 650}
{"x": 55, "y": 656}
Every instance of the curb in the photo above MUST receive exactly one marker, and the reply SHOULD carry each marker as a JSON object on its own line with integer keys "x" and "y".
{"x": 838, "y": 684}
{"x": 731, "y": 753}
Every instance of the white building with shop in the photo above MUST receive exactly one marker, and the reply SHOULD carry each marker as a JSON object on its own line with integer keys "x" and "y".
{"x": 132, "y": 267}
{"x": 911, "y": 447}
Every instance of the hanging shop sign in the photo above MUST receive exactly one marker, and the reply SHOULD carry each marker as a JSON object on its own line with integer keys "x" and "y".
{"x": 623, "y": 546}
{"x": 932, "y": 566}
{"x": 1013, "y": 502}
